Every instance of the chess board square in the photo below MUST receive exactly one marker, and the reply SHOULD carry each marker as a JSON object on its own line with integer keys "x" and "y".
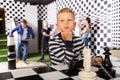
{"x": 33, "y": 77}
{"x": 117, "y": 75}
{"x": 23, "y": 72}
{"x": 5, "y": 75}
{"x": 70, "y": 72}
{"x": 67, "y": 79}
{"x": 43, "y": 69}
{"x": 55, "y": 75}
{"x": 75, "y": 77}
{"x": 61, "y": 67}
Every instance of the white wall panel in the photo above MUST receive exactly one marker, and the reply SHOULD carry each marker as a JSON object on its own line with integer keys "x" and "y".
{"x": 31, "y": 17}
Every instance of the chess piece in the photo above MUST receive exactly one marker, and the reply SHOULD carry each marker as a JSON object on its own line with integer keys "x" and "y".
{"x": 106, "y": 62}
{"x": 87, "y": 74}
{"x": 11, "y": 53}
{"x": 107, "y": 72}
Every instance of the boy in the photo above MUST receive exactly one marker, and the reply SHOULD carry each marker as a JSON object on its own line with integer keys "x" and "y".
{"x": 65, "y": 47}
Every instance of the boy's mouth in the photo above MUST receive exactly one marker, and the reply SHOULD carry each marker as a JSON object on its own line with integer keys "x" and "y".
{"x": 66, "y": 27}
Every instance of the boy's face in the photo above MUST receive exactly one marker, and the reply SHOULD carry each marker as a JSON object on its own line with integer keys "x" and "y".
{"x": 24, "y": 25}
{"x": 65, "y": 22}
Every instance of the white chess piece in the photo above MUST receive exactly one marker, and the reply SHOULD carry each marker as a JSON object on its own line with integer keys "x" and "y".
{"x": 87, "y": 74}
{"x": 87, "y": 61}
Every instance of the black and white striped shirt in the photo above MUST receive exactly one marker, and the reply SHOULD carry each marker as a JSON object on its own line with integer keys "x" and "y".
{"x": 60, "y": 53}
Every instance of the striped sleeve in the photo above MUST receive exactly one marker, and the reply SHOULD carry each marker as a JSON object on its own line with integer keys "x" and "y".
{"x": 59, "y": 53}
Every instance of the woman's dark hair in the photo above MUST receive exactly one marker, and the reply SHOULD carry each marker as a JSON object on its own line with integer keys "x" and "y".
{"x": 88, "y": 19}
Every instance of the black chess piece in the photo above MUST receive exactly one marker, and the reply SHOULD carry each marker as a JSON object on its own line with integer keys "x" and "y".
{"x": 107, "y": 66}
{"x": 106, "y": 62}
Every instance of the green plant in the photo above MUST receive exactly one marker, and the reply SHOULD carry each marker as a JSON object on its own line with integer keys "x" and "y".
{"x": 3, "y": 36}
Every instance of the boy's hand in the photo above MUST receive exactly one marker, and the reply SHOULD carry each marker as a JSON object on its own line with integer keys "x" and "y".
{"x": 96, "y": 61}
{"x": 11, "y": 35}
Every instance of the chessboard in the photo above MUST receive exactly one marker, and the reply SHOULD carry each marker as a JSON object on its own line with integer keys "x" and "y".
{"x": 45, "y": 73}
{"x": 59, "y": 72}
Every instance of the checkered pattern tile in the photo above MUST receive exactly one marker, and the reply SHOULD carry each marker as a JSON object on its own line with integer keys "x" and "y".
{"x": 13, "y": 9}
{"x": 59, "y": 72}
{"x": 116, "y": 23}
{"x": 42, "y": 12}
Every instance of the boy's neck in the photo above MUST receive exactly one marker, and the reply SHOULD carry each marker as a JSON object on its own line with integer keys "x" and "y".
{"x": 66, "y": 36}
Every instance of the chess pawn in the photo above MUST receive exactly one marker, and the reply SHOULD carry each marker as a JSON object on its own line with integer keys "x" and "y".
{"x": 111, "y": 73}
{"x": 87, "y": 74}
{"x": 106, "y": 62}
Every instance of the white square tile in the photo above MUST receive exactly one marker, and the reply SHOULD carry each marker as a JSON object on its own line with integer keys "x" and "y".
{"x": 60, "y": 67}
{"x": 56, "y": 75}
{"x": 22, "y": 72}
{"x": 75, "y": 78}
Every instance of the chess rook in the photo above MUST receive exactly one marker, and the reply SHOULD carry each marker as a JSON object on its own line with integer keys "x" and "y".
{"x": 11, "y": 53}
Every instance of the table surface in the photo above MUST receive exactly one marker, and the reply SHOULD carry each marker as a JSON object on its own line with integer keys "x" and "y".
{"x": 59, "y": 72}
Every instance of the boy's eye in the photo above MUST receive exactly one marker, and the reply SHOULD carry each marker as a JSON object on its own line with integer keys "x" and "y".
{"x": 69, "y": 19}
{"x": 61, "y": 20}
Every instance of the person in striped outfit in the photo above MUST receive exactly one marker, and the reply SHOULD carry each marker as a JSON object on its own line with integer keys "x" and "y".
{"x": 65, "y": 46}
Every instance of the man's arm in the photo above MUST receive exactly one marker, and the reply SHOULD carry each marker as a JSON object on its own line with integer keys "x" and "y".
{"x": 13, "y": 30}
{"x": 32, "y": 33}
{"x": 45, "y": 34}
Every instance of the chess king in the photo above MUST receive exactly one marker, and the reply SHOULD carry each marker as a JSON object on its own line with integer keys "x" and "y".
{"x": 87, "y": 74}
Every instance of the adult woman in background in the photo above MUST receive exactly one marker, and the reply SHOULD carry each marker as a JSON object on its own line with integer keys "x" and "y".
{"x": 85, "y": 30}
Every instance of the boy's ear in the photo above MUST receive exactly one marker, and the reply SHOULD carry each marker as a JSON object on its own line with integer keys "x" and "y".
{"x": 57, "y": 26}
{"x": 74, "y": 24}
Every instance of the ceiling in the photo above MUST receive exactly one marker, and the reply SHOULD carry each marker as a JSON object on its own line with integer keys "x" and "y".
{"x": 34, "y": 2}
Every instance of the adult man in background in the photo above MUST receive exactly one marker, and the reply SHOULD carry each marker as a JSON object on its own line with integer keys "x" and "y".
{"x": 45, "y": 38}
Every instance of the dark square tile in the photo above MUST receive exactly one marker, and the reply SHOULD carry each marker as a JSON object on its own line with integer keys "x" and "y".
{"x": 33, "y": 77}
{"x": 67, "y": 79}
{"x": 103, "y": 75}
{"x": 72, "y": 72}
{"x": 5, "y": 75}
{"x": 43, "y": 69}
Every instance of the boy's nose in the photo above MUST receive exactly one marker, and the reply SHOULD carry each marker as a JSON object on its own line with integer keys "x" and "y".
{"x": 66, "y": 22}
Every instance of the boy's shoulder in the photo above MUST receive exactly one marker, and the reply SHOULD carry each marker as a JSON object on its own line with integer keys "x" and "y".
{"x": 77, "y": 38}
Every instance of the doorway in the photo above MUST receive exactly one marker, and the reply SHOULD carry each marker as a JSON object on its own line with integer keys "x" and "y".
{"x": 2, "y": 21}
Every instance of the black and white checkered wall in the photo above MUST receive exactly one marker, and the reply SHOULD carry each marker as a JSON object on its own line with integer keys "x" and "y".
{"x": 116, "y": 23}
{"x": 16, "y": 10}
{"x": 103, "y": 13}
{"x": 13, "y": 10}
{"x": 42, "y": 12}
{"x": 100, "y": 13}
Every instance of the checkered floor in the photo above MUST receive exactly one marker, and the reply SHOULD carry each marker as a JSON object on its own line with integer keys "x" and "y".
{"x": 51, "y": 73}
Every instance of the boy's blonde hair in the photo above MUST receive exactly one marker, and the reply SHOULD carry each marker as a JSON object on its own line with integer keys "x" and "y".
{"x": 65, "y": 10}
